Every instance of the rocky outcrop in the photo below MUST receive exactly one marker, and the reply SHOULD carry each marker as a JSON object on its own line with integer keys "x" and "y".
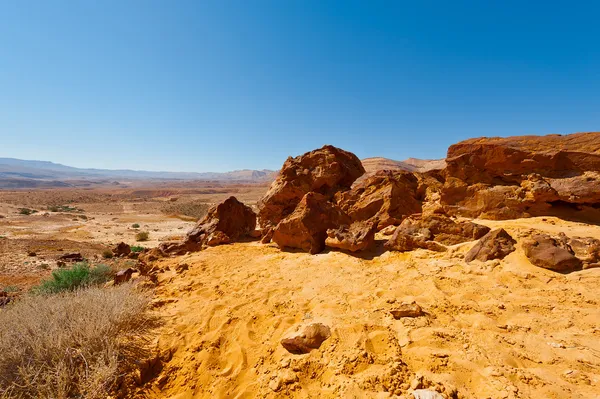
{"x": 496, "y": 244}
{"x": 123, "y": 276}
{"x": 359, "y": 236}
{"x": 501, "y": 178}
{"x": 306, "y": 228}
{"x": 385, "y": 198}
{"x": 551, "y": 253}
{"x": 311, "y": 337}
{"x": 324, "y": 171}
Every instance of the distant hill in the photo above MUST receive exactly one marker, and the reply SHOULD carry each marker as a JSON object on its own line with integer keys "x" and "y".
{"x": 372, "y": 165}
{"x": 18, "y": 173}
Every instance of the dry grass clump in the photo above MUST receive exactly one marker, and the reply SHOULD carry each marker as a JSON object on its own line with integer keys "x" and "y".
{"x": 71, "y": 345}
{"x": 142, "y": 236}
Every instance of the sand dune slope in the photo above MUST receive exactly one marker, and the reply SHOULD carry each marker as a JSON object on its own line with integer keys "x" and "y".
{"x": 492, "y": 330}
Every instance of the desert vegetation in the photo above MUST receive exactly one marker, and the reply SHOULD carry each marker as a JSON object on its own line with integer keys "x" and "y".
{"x": 80, "y": 275}
{"x": 72, "y": 344}
{"x": 142, "y": 236}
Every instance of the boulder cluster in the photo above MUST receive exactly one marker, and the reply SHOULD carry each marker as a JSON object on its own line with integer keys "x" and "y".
{"x": 323, "y": 199}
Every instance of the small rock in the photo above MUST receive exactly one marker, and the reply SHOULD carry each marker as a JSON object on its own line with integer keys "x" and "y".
{"x": 275, "y": 384}
{"x": 311, "y": 338}
{"x": 31, "y": 253}
{"x": 123, "y": 276}
{"x": 426, "y": 394}
{"x": 407, "y": 310}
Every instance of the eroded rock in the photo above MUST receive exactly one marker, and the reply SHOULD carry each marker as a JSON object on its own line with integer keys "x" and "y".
{"x": 407, "y": 309}
{"x": 551, "y": 253}
{"x": 311, "y": 337}
{"x": 324, "y": 171}
{"x": 122, "y": 249}
{"x": 359, "y": 236}
{"x": 306, "y": 228}
{"x": 496, "y": 244}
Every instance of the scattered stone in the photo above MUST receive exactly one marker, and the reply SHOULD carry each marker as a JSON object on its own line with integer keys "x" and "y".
{"x": 72, "y": 257}
{"x": 31, "y": 253}
{"x": 426, "y": 394}
{"x": 496, "y": 244}
{"x": 255, "y": 233}
{"x": 406, "y": 309}
{"x": 123, "y": 276}
{"x": 311, "y": 338}
{"x": 121, "y": 249}
{"x": 359, "y": 236}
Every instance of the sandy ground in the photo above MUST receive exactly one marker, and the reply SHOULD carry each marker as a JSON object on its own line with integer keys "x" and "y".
{"x": 500, "y": 329}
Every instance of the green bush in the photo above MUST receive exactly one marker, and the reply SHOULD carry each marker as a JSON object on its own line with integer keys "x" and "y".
{"x": 137, "y": 248}
{"x": 142, "y": 236}
{"x": 78, "y": 276}
{"x": 135, "y": 226}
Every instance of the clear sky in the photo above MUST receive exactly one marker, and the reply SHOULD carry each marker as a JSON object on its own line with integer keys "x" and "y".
{"x": 217, "y": 85}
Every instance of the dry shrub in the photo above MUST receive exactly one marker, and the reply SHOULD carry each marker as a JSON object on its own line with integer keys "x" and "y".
{"x": 72, "y": 344}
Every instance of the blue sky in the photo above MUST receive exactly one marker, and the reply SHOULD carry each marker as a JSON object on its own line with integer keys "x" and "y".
{"x": 222, "y": 85}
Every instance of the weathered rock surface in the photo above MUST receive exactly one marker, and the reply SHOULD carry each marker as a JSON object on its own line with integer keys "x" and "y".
{"x": 306, "y": 228}
{"x": 496, "y": 244}
{"x": 502, "y": 178}
{"x": 587, "y": 249}
{"x": 311, "y": 337}
{"x": 122, "y": 249}
{"x": 427, "y": 231}
{"x": 404, "y": 242}
{"x": 359, "y": 236}
{"x": 443, "y": 229}
{"x": 551, "y": 253}
{"x": 324, "y": 171}
{"x": 387, "y": 197}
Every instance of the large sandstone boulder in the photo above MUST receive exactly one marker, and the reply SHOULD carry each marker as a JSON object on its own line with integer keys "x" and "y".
{"x": 386, "y": 197}
{"x": 359, "y": 236}
{"x": 551, "y": 253}
{"x": 324, "y": 171}
{"x": 225, "y": 222}
{"x": 494, "y": 245}
{"x": 502, "y": 178}
{"x": 306, "y": 228}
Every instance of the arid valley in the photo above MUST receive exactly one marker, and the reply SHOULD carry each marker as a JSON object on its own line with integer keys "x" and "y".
{"x": 473, "y": 277}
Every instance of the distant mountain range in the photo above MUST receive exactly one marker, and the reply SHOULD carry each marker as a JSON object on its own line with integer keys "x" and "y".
{"x": 18, "y": 173}
{"x": 411, "y": 164}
